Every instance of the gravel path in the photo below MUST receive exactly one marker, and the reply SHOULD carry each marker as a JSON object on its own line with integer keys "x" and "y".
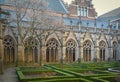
{"x": 9, "y": 75}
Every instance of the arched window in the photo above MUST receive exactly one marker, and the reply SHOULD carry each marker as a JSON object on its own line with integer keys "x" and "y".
{"x": 9, "y": 50}
{"x": 52, "y": 50}
{"x": 70, "y": 51}
{"x": 114, "y": 50}
{"x": 102, "y": 51}
{"x": 87, "y": 51}
{"x": 31, "y": 50}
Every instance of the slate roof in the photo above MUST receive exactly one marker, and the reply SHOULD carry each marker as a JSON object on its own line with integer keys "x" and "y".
{"x": 57, "y": 6}
{"x": 114, "y": 14}
{"x": 75, "y": 22}
{"x": 54, "y": 5}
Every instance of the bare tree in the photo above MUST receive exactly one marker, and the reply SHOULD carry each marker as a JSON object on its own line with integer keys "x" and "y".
{"x": 32, "y": 16}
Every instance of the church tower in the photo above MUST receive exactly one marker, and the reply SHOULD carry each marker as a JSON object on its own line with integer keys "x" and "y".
{"x": 83, "y": 8}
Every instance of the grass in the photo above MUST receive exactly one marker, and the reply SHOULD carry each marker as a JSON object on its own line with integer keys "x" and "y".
{"x": 77, "y": 72}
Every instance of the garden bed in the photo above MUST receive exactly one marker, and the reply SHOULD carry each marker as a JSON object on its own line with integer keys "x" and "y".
{"x": 77, "y": 72}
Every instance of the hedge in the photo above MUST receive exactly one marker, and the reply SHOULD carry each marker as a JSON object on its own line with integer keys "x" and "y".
{"x": 65, "y": 80}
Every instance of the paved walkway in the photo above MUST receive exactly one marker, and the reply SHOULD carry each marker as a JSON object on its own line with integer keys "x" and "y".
{"x": 9, "y": 75}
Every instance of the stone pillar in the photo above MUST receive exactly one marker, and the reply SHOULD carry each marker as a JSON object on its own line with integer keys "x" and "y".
{"x": 109, "y": 56}
{"x": 81, "y": 56}
{"x": 43, "y": 54}
{"x": 64, "y": 54}
{"x": 118, "y": 51}
{"x": 97, "y": 54}
{"x": 61, "y": 48}
{"x": 60, "y": 53}
{"x": 1, "y": 49}
{"x": 38, "y": 53}
{"x": 1, "y": 55}
{"x": 95, "y": 48}
{"x": 110, "y": 51}
{"x": 20, "y": 55}
{"x": 79, "y": 47}
{"x": 81, "y": 51}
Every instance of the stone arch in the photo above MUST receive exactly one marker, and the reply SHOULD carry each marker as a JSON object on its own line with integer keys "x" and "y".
{"x": 87, "y": 48}
{"x": 31, "y": 50}
{"x": 55, "y": 36}
{"x": 102, "y": 47}
{"x": 89, "y": 39}
{"x": 70, "y": 50}
{"x": 52, "y": 47}
{"x": 9, "y": 50}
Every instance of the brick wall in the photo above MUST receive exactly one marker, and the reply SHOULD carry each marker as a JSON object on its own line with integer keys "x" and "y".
{"x": 73, "y": 8}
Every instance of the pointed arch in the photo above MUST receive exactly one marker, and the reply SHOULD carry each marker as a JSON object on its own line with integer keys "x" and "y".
{"x": 31, "y": 50}
{"x": 87, "y": 50}
{"x": 114, "y": 56}
{"x": 51, "y": 36}
{"x": 102, "y": 46}
{"x": 52, "y": 50}
{"x": 71, "y": 35}
{"x": 9, "y": 50}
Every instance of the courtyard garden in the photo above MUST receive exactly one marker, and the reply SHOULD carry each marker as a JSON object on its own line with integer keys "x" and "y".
{"x": 75, "y": 72}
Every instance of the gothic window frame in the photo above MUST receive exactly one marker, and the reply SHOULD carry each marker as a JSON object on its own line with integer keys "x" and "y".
{"x": 70, "y": 50}
{"x": 102, "y": 50}
{"x": 52, "y": 46}
{"x": 31, "y": 44}
{"x": 9, "y": 50}
{"x": 87, "y": 48}
{"x": 114, "y": 50}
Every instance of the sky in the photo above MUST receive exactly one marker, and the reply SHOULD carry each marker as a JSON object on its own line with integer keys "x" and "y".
{"x": 103, "y": 6}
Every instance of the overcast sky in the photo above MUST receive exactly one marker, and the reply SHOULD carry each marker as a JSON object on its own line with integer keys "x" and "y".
{"x": 103, "y": 6}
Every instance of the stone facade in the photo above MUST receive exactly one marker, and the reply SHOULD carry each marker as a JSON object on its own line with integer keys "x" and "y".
{"x": 71, "y": 44}
{"x": 60, "y": 44}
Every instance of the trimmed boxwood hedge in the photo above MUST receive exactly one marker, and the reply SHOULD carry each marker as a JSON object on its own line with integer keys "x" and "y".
{"x": 24, "y": 79}
{"x": 65, "y": 80}
{"x": 71, "y": 72}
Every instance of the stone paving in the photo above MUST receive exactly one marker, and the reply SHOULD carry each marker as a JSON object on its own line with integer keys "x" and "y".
{"x": 9, "y": 75}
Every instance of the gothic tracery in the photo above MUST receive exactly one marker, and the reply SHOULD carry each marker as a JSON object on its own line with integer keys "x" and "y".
{"x": 70, "y": 51}
{"x": 31, "y": 49}
{"x": 102, "y": 47}
{"x": 9, "y": 48}
{"x": 52, "y": 50}
{"x": 87, "y": 51}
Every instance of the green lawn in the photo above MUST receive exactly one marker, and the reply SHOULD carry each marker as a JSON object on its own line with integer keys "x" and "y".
{"x": 75, "y": 72}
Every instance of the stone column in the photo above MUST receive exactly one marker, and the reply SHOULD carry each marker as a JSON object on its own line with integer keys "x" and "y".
{"x": 118, "y": 50}
{"x": 60, "y": 54}
{"x": 20, "y": 55}
{"x": 38, "y": 53}
{"x": 97, "y": 54}
{"x": 1, "y": 49}
{"x": 64, "y": 54}
{"x": 95, "y": 48}
{"x": 1, "y": 55}
{"x": 43, "y": 54}
{"x": 79, "y": 47}
{"x": 95, "y": 42}
{"x": 109, "y": 56}
{"x": 61, "y": 48}
{"x": 81, "y": 56}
